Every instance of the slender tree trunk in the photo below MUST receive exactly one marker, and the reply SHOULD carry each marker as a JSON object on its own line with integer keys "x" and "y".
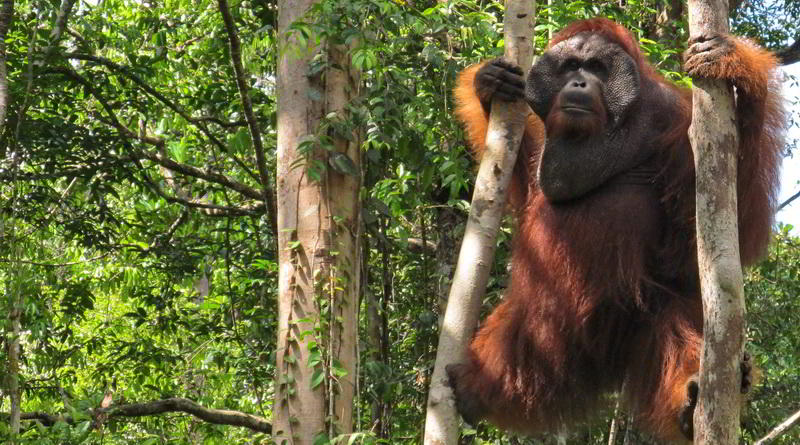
{"x": 247, "y": 106}
{"x": 345, "y": 207}
{"x": 447, "y": 220}
{"x": 387, "y": 281}
{"x": 14, "y": 292}
{"x": 506, "y": 125}
{"x": 779, "y": 430}
{"x": 6, "y": 15}
{"x": 303, "y": 217}
{"x": 630, "y": 434}
{"x": 318, "y": 232}
{"x": 13, "y": 360}
{"x": 374, "y": 342}
{"x": 616, "y": 419}
{"x": 715, "y": 140}
{"x": 669, "y": 14}
{"x": 60, "y": 25}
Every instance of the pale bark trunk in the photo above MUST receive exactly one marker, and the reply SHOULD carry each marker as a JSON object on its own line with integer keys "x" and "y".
{"x": 506, "y": 126}
{"x": 341, "y": 83}
{"x": 6, "y": 15}
{"x": 615, "y": 421}
{"x": 299, "y": 411}
{"x": 318, "y": 235}
{"x": 715, "y": 143}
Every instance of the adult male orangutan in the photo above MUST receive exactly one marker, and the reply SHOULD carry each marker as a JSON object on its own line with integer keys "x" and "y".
{"x": 604, "y": 279}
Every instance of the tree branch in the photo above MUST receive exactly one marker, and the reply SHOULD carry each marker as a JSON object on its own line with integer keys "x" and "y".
{"x": 185, "y": 169}
{"x": 178, "y": 404}
{"x": 204, "y": 174}
{"x": 60, "y": 26}
{"x": 211, "y": 209}
{"x": 790, "y": 55}
{"x": 174, "y": 404}
{"x": 788, "y": 201}
{"x": 165, "y": 238}
{"x": 221, "y": 123}
{"x": 71, "y": 263}
{"x": 115, "y": 122}
{"x": 255, "y": 132}
{"x": 87, "y": 169}
{"x": 198, "y": 122}
{"x": 780, "y": 429}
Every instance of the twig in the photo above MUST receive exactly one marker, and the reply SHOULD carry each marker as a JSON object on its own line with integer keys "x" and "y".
{"x": 255, "y": 132}
{"x": 188, "y": 170}
{"x": 212, "y": 209}
{"x": 198, "y": 122}
{"x": 72, "y": 263}
{"x": 789, "y": 201}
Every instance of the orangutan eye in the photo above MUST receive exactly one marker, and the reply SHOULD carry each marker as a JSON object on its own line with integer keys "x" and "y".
{"x": 570, "y": 65}
{"x": 596, "y": 66}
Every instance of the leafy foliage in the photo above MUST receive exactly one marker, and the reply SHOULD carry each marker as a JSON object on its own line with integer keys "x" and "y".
{"x": 132, "y": 224}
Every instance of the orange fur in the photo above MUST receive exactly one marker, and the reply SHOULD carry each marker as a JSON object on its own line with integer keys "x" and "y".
{"x": 605, "y": 288}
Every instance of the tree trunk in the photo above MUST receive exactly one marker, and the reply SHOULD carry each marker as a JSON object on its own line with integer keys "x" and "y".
{"x": 15, "y": 298}
{"x": 616, "y": 419}
{"x": 6, "y": 15}
{"x": 318, "y": 214}
{"x": 345, "y": 208}
{"x": 714, "y": 141}
{"x": 12, "y": 342}
{"x": 506, "y": 125}
{"x": 630, "y": 435}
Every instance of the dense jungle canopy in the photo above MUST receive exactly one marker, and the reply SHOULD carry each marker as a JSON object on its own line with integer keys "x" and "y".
{"x": 138, "y": 231}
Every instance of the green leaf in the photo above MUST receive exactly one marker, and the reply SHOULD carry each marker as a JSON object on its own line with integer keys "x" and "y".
{"x": 321, "y": 439}
{"x": 339, "y": 370}
{"x": 342, "y": 164}
{"x": 314, "y": 359}
{"x": 317, "y": 377}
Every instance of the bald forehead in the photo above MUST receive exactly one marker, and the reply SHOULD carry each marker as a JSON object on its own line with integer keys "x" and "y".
{"x": 586, "y": 44}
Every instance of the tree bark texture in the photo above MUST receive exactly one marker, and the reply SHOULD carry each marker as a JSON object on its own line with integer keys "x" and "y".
{"x": 299, "y": 411}
{"x": 318, "y": 232}
{"x": 714, "y": 140}
{"x": 345, "y": 206}
{"x": 6, "y": 15}
{"x": 506, "y": 125}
